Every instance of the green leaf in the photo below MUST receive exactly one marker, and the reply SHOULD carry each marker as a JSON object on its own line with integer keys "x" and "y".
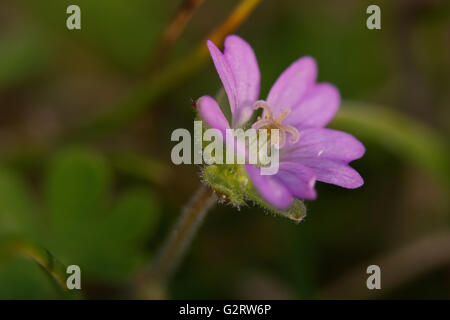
{"x": 134, "y": 218}
{"x": 15, "y": 204}
{"x": 21, "y": 278}
{"x": 105, "y": 239}
{"x": 116, "y": 248}
{"x": 77, "y": 184}
{"x": 76, "y": 187}
{"x": 12, "y": 247}
{"x": 142, "y": 167}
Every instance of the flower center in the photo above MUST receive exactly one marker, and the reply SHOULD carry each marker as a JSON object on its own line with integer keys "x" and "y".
{"x": 268, "y": 122}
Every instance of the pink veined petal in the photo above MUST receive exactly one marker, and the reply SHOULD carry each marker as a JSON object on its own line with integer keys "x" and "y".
{"x": 323, "y": 143}
{"x": 298, "y": 179}
{"x": 292, "y": 85}
{"x": 316, "y": 109}
{"x": 334, "y": 172}
{"x": 225, "y": 74}
{"x": 210, "y": 112}
{"x": 242, "y": 60}
{"x": 271, "y": 189}
{"x": 239, "y": 72}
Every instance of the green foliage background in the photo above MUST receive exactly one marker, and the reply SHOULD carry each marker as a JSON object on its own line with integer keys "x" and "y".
{"x": 105, "y": 202}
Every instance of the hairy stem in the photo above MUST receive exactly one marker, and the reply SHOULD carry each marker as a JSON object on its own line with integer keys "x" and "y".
{"x": 153, "y": 282}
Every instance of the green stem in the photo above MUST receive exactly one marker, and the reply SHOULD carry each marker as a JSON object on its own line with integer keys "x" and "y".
{"x": 153, "y": 282}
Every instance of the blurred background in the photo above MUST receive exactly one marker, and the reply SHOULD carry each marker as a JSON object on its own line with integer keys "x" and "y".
{"x": 85, "y": 171}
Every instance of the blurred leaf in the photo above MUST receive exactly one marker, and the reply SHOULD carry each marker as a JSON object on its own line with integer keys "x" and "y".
{"x": 134, "y": 217}
{"x": 105, "y": 240}
{"x": 12, "y": 247}
{"x": 121, "y": 237}
{"x": 15, "y": 204}
{"x": 400, "y": 134}
{"x": 142, "y": 167}
{"x": 22, "y": 279}
{"x": 77, "y": 183}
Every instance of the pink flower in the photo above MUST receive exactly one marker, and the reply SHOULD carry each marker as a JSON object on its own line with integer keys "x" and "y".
{"x": 300, "y": 108}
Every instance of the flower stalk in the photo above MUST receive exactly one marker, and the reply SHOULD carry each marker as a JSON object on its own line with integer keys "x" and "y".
{"x": 152, "y": 283}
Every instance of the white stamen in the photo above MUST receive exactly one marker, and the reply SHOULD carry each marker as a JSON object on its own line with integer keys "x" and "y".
{"x": 268, "y": 122}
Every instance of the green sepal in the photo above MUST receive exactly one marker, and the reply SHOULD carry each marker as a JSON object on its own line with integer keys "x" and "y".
{"x": 232, "y": 184}
{"x": 296, "y": 212}
{"x": 227, "y": 181}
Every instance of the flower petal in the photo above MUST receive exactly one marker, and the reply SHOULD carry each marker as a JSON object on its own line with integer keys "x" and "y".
{"x": 298, "y": 179}
{"x": 317, "y": 108}
{"x": 210, "y": 112}
{"x": 225, "y": 74}
{"x": 323, "y": 143}
{"x": 271, "y": 189}
{"x": 334, "y": 172}
{"x": 243, "y": 63}
{"x": 292, "y": 85}
{"x": 239, "y": 73}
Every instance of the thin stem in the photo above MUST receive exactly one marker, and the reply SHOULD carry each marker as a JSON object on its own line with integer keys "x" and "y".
{"x": 173, "y": 31}
{"x": 153, "y": 282}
